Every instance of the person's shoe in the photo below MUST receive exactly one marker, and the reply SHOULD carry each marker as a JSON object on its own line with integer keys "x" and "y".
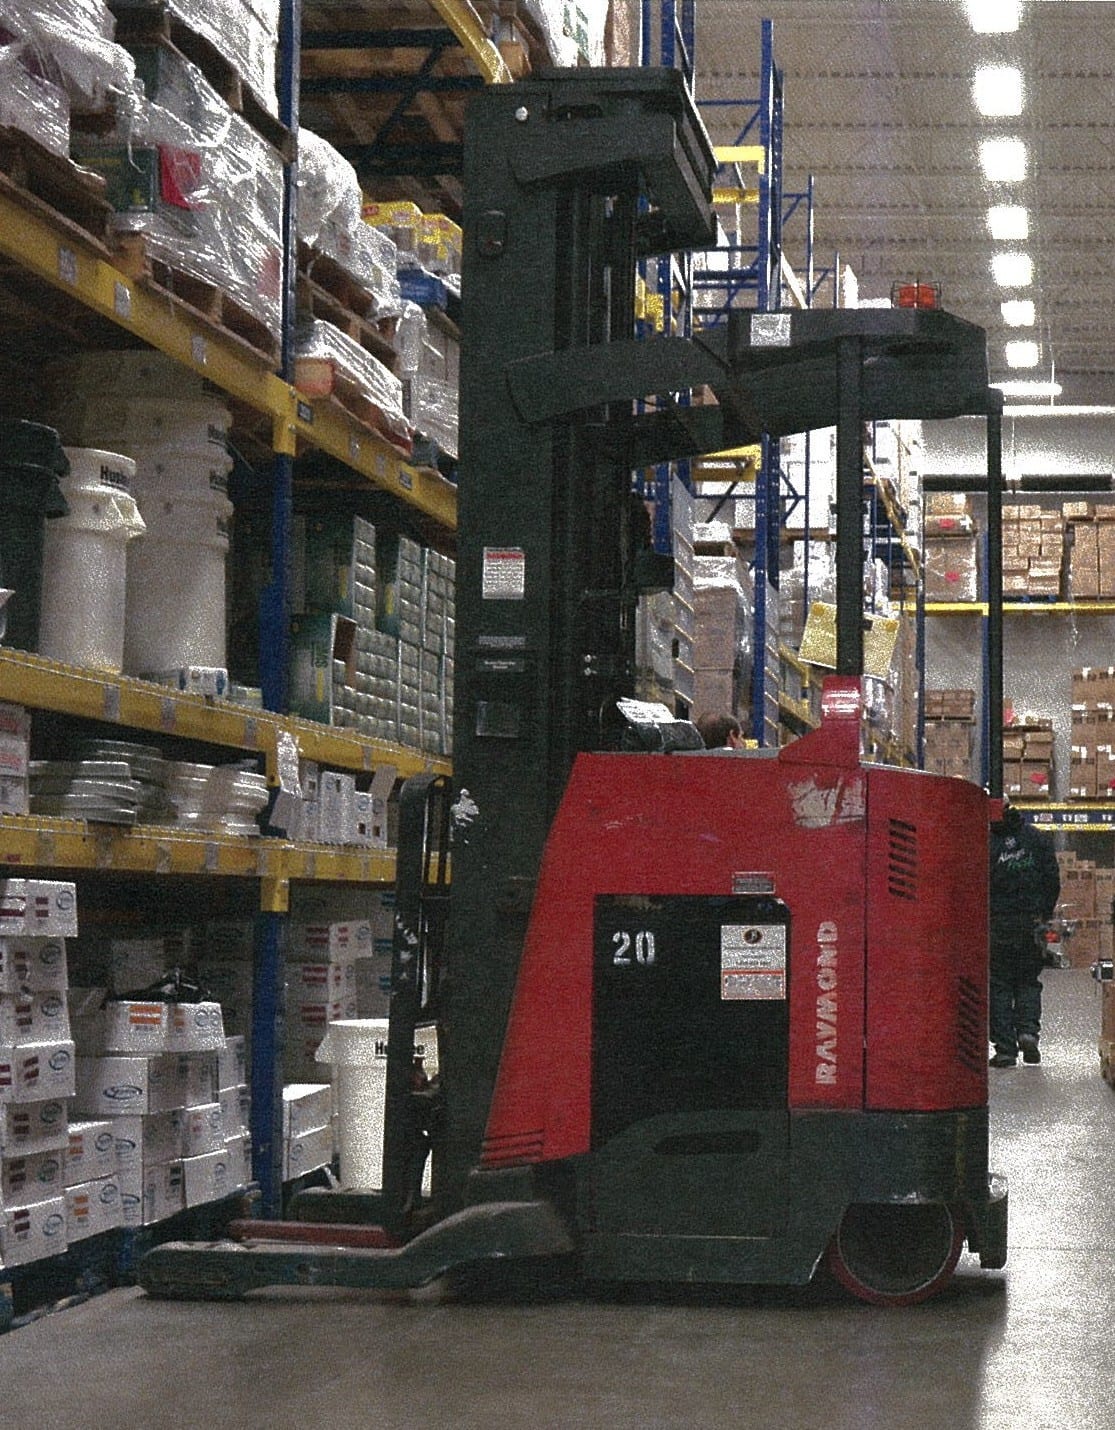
{"x": 1031, "y": 1053}
{"x": 1004, "y": 1060}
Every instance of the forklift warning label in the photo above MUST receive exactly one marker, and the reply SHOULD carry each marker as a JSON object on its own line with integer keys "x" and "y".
{"x": 752, "y": 961}
{"x": 504, "y": 576}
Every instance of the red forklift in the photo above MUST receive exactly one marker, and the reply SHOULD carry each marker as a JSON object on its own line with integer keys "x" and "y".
{"x": 702, "y": 1016}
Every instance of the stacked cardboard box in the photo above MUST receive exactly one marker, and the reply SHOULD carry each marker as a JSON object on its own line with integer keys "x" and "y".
{"x": 1092, "y": 765}
{"x": 1028, "y": 759}
{"x": 1033, "y": 551}
{"x": 948, "y": 514}
{"x": 951, "y": 570}
{"x": 154, "y": 1069}
{"x": 321, "y": 987}
{"x": 1091, "y": 548}
{"x": 722, "y": 632}
{"x": 949, "y": 731}
{"x": 36, "y": 1066}
{"x": 308, "y": 1136}
{"x": 1086, "y": 902}
{"x": 15, "y": 744}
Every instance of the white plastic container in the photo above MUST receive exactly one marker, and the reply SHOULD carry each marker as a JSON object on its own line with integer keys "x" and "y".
{"x": 356, "y": 1049}
{"x": 85, "y": 563}
{"x": 176, "y": 583}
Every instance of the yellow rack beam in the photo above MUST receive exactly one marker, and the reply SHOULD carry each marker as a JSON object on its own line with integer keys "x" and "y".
{"x": 139, "y": 704}
{"x": 741, "y": 154}
{"x": 734, "y": 194}
{"x": 1026, "y": 608}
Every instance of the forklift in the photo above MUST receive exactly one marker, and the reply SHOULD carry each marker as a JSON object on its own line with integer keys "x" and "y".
{"x": 703, "y": 1016}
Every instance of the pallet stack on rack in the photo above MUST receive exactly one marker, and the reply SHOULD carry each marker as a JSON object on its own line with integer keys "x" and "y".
{"x": 950, "y": 732}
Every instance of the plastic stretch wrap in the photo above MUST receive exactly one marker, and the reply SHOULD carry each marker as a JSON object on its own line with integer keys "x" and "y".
{"x": 431, "y": 405}
{"x": 246, "y": 32}
{"x": 315, "y": 339}
{"x": 572, "y": 29}
{"x": 329, "y": 220}
{"x": 52, "y": 45}
{"x": 200, "y": 184}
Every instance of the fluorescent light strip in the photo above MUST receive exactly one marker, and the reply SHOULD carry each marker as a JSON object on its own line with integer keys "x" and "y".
{"x": 1017, "y": 312}
{"x": 1022, "y": 354}
{"x": 1025, "y": 388}
{"x": 997, "y": 90}
{"x": 1007, "y": 223}
{"x": 1003, "y": 161}
{"x": 993, "y": 17}
{"x": 1028, "y": 409}
{"x": 1012, "y": 270}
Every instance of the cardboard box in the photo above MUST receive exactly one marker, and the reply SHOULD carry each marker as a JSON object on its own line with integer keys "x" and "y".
{"x": 127, "y": 1026}
{"x": 91, "y": 1151}
{"x": 306, "y": 1107}
{"x": 29, "y": 1233}
{"x": 152, "y": 1194}
{"x": 238, "y": 1150}
{"x": 203, "y": 1130}
{"x": 37, "y": 1071}
{"x": 232, "y": 1067}
{"x": 235, "y": 1110}
{"x": 32, "y": 964}
{"x": 33, "y": 1018}
{"x": 207, "y": 1178}
{"x": 951, "y": 572}
{"x": 38, "y": 908}
{"x": 308, "y": 1152}
{"x": 321, "y": 982}
{"x": 200, "y": 1077}
{"x": 93, "y": 1207}
{"x": 331, "y": 942}
{"x": 113, "y": 1085}
{"x": 149, "y": 1139}
{"x": 31, "y": 1178}
{"x": 27, "y": 1127}
{"x": 195, "y": 1028}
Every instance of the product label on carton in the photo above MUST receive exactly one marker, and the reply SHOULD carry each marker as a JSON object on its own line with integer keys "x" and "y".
{"x": 28, "y": 1233}
{"x": 91, "y": 1153}
{"x": 36, "y": 1071}
{"x": 93, "y": 1207}
{"x": 32, "y": 1127}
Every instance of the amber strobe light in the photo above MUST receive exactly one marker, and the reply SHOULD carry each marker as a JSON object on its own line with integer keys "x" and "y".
{"x": 915, "y": 295}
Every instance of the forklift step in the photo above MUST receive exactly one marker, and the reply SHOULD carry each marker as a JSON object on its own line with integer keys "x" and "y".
{"x": 309, "y": 1233}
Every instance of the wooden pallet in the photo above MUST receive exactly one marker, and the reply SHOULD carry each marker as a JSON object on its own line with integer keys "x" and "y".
{"x": 315, "y": 302}
{"x": 197, "y": 298}
{"x": 157, "y": 24}
{"x": 71, "y": 197}
{"x": 319, "y": 380}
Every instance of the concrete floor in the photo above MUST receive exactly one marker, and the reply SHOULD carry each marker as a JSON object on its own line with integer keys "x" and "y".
{"x": 1029, "y": 1347}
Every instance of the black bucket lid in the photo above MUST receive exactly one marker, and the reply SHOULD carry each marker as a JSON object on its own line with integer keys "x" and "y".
{"x": 32, "y": 444}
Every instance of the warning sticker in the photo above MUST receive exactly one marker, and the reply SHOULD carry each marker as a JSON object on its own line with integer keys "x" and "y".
{"x": 752, "y": 961}
{"x": 504, "y": 573}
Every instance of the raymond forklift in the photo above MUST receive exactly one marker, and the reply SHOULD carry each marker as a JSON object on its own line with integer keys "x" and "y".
{"x": 701, "y": 1016}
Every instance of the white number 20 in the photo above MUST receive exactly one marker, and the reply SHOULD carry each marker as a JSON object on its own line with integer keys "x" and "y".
{"x": 640, "y": 944}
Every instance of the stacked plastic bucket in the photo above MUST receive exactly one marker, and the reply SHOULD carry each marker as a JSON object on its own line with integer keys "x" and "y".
{"x": 175, "y": 432}
{"x": 31, "y": 464}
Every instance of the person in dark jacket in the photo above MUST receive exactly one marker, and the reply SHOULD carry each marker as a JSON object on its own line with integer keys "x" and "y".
{"x": 1025, "y": 887}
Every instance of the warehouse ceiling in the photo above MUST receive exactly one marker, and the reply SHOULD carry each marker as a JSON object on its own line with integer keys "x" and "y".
{"x": 879, "y": 109}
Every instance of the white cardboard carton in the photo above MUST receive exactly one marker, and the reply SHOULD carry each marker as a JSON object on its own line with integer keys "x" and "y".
{"x": 27, "y": 1127}
{"x": 232, "y": 1063}
{"x": 28, "y": 1233}
{"x": 147, "y": 1140}
{"x": 200, "y": 1078}
{"x": 327, "y": 942}
{"x": 93, "y": 1207}
{"x": 232, "y": 1111}
{"x": 306, "y": 1107}
{"x": 34, "y": 964}
{"x": 118, "y": 1083}
{"x": 133, "y": 1026}
{"x": 306, "y": 1153}
{"x": 195, "y": 1028}
{"x": 36, "y": 1071}
{"x": 91, "y": 1153}
{"x": 50, "y": 910}
{"x": 152, "y": 1194}
{"x": 203, "y": 1130}
{"x": 208, "y": 1177}
{"x": 238, "y": 1150}
{"x": 322, "y": 982}
{"x": 27, "y": 1017}
{"x": 31, "y": 1178}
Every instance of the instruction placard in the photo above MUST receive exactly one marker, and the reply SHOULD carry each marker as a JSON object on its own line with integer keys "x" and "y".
{"x": 752, "y": 961}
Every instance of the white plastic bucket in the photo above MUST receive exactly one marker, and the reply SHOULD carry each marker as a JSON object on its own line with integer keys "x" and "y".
{"x": 356, "y": 1048}
{"x": 189, "y": 470}
{"x": 176, "y": 584}
{"x": 140, "y": 370}
{"x": 85, "y": 564}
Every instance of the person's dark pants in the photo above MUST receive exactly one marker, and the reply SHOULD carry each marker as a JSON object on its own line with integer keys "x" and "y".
{"x": 1015, "y": 1004}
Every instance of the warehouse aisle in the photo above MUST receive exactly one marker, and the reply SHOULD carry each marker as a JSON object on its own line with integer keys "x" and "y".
{"x": 1026, "y": 1347}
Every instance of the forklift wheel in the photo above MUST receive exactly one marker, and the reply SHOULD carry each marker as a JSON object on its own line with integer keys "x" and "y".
{"x": 896, "y": 1254}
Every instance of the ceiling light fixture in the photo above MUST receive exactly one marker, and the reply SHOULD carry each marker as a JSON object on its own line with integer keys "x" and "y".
{"x": 1007, "y": 222}
{"x": 1024, "y": 387}
{"x": 1017, "y": 312}
{"x": 1012, "y": 270}
{"x": 997, "y": 90}
{"x": 993, "y": 17}
{"x": 1068, "y": 410}
{"x": 1023, "y": 354}
{"x": 1003, "y": 161}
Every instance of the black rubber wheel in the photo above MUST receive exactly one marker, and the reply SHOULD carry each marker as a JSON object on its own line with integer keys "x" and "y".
{"x": 896, "y": 1254}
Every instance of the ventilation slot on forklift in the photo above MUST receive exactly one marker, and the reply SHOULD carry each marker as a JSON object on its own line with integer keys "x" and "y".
{"x": 902, "y": 865}
{"x": 971, "y": 1013}
{"x": 513, "y": 1150}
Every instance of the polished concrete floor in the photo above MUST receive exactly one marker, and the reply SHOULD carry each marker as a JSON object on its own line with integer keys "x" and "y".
{"x": 1032, "y": 1346}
